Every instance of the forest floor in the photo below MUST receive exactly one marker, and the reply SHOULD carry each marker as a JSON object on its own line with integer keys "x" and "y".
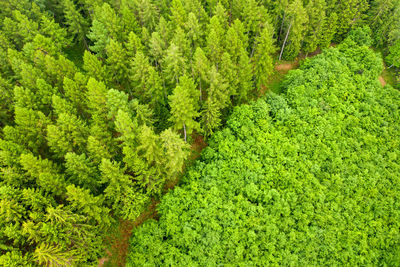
{"x": 382, "y": 81}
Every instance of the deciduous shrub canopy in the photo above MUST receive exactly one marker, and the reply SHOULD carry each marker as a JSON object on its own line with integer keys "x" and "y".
{"x": 308, "y": 178}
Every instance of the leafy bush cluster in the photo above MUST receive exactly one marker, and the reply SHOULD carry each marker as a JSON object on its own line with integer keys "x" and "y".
{"x": 308, "y": 178}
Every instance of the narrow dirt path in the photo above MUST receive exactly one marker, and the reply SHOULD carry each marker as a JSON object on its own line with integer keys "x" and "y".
{"x": 285, "y": 66}
{"x": 382, "y": 81}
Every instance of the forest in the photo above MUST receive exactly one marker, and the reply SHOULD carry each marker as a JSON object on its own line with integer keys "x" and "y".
{"x": 103, "y": 104}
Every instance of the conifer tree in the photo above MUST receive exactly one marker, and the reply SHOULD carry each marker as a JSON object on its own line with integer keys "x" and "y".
{"x": 75, "y": 90}
{"x": 316, "y": 15}
{"x": 245, "y": 77}
{"x": 148, "y": 14}
{"x": 200, "y": 68}
{"x": 296, "y": 26}
{"x": 68, "y": 135}
{"x": 94, "y": 67}
{"x": 178, "y": 13}
{"x": 263, "y": 56}
{"x": 174, "y": 64}
{"x": 183, "y": 111}
{"x": 133, "y": 45}
{"x": 120, "y": 191}
{"x": 329, "y": 32}
{"x": 82, "y": 172}
{"x": 117, "y": 63}
{"x": 349, "y": 13}
{"x": 77, "y": 25}
{"x": 176, "y": 152}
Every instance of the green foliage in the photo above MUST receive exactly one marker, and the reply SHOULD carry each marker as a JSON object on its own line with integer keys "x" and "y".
{"x": 308, "y": 178}
{"x": 393, "y": 59}
{"x": 97, "y": 99}
{"x": 183, "y": 107}
{"x": 361, "y": 35}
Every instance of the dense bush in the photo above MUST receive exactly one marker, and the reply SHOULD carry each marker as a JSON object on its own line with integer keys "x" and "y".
{"x": 310, "y": 178}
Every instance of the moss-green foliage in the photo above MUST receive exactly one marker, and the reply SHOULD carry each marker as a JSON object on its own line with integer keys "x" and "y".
{"x": 308, "y": 178}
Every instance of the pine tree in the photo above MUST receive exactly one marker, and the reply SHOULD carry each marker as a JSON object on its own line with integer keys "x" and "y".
{"x": 200, "y": 67}
{"x": 229, "y": 72}
{"x": 176, "y": 152}
{"x": 96, "y": 97}
{"x": 383, "y": 18}
{"x": 5, "y": 101}
{"x": 45, "y": 173}
{"x": 94, "y": 67}
{"x": 194, "y": 31}
{"x": 211, "y": 116}
{"x": 133, "y": 45}
{"x": 316, "y": 14}
{"x": 68, "y": 135}
{"x": 83, "y": 202}
{"x": 52, "y": 30}
{"x": 349, "y": 13}
{"x": 178, "y": 13}
{"x": 75, "y": 90}
{"x": 214, "y": 41}
{"x": 245, "y": 77}
{"x": 263, "y": 58}
{"x": 183, "y": 111}
{"x": 77, "y": 25}
{"x": 174, "y": 64}
{"x": 328, "y": 34}
{"x": 146, "y": 80}
{"x": 218, "y": 90}
{"x": 157, "y": 48}
{"x": 393, "y": 59}
{"x": 29, "y": 130}
{"x": 116, "y": 101}
{"x": 99, "y": 36}
{"x": 128, "y": 18}
{"x": 296, "y": 26}
{"x": 120, "y": 191}
{"x": 82, "y": 172}
{"x": 148, "y": 14}
{"x": 117, "y": 63}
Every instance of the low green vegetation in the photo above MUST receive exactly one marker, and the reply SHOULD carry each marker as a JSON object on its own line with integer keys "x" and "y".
{"x": 307, "y": 178}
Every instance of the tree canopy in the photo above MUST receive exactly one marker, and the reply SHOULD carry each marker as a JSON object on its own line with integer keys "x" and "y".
{"x": 309, "y": 177}
{"x": 103, "y": 101}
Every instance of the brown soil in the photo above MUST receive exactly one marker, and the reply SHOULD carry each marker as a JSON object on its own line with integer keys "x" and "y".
{"x": 198, "y": 145}
{"x": 285, "y": 66}
{"x": 382, "y": 81}
{"x": 118, "y": 252}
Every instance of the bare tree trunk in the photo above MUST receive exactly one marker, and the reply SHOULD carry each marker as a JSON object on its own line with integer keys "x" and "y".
{"x": 284, "y": 42}
{"x": 85, "y": 43}
{"x": 184, "y": 131}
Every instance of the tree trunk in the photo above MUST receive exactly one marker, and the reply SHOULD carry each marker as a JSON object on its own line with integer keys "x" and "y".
{"x": 85, "y": 43}
{"x": 184, "y": 130}
{"x": 284, "y": 42}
